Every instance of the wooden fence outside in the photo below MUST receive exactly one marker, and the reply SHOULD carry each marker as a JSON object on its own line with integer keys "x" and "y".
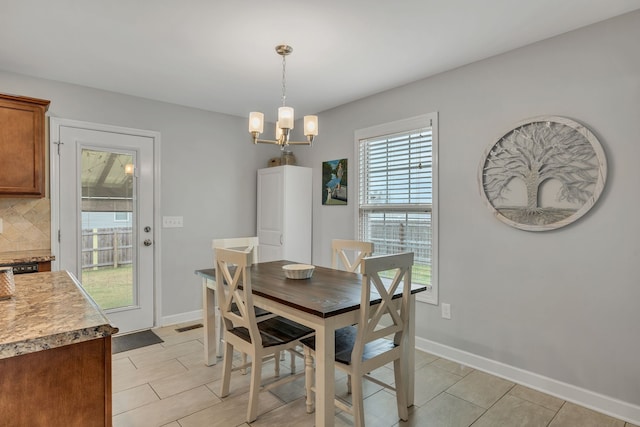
{"x": 111, "y": 247}
{"x": 107, "y": 247}
{"x": 390, "y": 237}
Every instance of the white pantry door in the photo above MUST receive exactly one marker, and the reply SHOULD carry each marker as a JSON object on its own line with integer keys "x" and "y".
{"x": 105, "y": 211}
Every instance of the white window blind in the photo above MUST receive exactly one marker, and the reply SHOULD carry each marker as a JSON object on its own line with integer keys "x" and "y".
{"x": 396, "y": 196}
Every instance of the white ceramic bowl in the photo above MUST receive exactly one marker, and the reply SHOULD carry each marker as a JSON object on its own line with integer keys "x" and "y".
{"x": 298, "y": 271}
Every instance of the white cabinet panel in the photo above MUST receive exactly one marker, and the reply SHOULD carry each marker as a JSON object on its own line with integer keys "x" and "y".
{"x": 284, "y": 213}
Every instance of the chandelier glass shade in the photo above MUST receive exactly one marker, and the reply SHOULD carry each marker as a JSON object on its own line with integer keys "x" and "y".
{"x": 286, "y": 116}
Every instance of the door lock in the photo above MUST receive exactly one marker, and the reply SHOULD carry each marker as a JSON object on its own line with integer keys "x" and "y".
{"x": 147, "y": 229}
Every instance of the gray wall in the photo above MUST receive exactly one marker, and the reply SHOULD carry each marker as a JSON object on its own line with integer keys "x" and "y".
{"x": 208, "y": 173}
{"x": 563, "y": 303}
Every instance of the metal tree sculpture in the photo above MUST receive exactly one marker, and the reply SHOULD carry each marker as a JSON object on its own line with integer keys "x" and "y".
{"x": 538, "y": 151}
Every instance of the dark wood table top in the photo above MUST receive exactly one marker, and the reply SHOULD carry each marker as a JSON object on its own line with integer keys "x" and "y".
{"x": 327, "y": 293}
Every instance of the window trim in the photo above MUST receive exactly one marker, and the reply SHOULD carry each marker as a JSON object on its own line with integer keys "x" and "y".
{"x": 398, "y": 126}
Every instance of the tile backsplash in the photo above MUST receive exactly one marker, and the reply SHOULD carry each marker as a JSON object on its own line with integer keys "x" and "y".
{"x": 26, "y": 224}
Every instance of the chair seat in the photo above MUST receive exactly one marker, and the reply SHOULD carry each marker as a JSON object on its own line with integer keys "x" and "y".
{"x": 275, "y": 331}
{"x": 345, "y": 339}
{"x": 260, "y": 312}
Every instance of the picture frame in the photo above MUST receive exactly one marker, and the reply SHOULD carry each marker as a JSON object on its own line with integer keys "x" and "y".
{"x": 334, "y": 182}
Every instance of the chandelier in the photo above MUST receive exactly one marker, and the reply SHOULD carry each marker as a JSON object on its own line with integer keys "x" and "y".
{"x": 284, "y": 125}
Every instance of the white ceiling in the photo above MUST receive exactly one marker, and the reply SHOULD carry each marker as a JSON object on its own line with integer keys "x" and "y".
{"x": 219, "y": 55}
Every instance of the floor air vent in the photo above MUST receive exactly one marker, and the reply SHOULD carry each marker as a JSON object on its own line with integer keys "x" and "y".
{"x": 188, "y": 328}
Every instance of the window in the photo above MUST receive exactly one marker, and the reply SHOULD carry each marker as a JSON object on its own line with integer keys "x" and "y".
{"x": 397, "y": 193}
{"x": 122, "y": 216}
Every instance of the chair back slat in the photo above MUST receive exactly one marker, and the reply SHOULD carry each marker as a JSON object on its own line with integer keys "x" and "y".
{"x": 369, "y": 327}
{"x": 238, "y": 242}
{"x": 377, "y": 312}
{"x": 233, "y": 282}
{"x": 341, "y": 249}
{"x": 234, "y": 299}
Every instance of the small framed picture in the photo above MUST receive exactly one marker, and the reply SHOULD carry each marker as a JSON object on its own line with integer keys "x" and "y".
{"x": 334, "y": 182}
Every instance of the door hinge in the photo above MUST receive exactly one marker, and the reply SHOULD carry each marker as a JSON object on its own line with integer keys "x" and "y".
{"x": 59, "y": 235}
{"x": 58, "y": 143}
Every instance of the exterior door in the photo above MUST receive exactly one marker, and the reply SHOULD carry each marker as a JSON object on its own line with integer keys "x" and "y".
{"x": 105, "y": 203}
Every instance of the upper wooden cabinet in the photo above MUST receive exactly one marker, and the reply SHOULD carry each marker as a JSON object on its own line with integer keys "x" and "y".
{"x": 22, "y": 149}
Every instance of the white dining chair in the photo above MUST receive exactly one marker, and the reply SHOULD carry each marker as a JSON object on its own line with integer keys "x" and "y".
{"x": 261, "y": 314}
{"x": 348, "y": 254}
{"x": 261, "y": 340}
{"x": 377, "y": 339}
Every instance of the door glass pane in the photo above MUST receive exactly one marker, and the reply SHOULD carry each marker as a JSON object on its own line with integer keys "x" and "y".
{"x": 107, "y": 210}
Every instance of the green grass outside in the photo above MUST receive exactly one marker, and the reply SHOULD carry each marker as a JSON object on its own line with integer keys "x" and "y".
{"x": 109, "y": 287}
{"x": 420, "y": 274}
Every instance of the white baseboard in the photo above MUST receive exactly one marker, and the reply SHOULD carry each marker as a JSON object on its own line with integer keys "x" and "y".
{"x": 580, "y": 396}
{"x": 181, "y": 318}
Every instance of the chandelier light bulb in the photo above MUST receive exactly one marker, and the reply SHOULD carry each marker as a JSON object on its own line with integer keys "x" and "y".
{"x": 285, "y": 117}
{"x": 256, "y": 122}
{"x": 310, "y": 125}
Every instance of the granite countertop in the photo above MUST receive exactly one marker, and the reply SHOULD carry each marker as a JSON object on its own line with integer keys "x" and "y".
{"x": 40, "y": 255}
{"x": 48, "y": 310}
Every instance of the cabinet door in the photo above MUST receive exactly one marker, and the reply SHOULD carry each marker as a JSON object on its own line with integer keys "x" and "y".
{"x": 297, "y": 214}
{"x": 270, "y": 206}
{"x": 284, "y": 213}
{"x": 22, "y": 172}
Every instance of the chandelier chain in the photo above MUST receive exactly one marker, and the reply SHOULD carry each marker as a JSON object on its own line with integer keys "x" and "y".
{"x": 284, "y": 80}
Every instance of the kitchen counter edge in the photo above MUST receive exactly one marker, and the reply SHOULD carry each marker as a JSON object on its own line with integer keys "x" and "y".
{"x": 49, "y": 310}
{"x": 17, "y": 257}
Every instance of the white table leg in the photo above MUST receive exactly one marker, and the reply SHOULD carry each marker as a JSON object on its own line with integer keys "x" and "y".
{"x": 325, "y": 375}
{"x": 210, "y": 326}
{"x": 220, "y": 329}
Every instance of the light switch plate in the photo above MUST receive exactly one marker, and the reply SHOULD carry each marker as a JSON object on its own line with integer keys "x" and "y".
{"x": 446, "y": 311}
{"x": 172, "y": 222}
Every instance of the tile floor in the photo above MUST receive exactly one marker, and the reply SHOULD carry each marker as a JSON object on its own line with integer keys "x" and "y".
{"x": 168, "y": 385}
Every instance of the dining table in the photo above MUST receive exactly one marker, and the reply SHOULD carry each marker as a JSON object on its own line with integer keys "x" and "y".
{"x": 325, "y": 302}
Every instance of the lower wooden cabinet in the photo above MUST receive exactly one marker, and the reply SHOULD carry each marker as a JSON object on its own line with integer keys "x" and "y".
{"x": 64, "y": 386}
{"x": 44, "y": 266}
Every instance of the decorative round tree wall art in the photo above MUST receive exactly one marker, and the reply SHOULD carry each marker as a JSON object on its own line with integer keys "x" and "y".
{"x": 543, "y": 174}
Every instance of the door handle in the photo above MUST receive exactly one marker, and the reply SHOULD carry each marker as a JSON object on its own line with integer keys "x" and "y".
{"x": 147, "y": 242}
